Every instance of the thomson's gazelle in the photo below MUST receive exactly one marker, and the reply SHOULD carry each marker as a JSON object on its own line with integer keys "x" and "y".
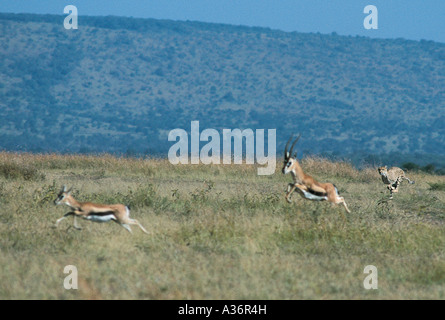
{"x": 304, "y": 184}
{"x": 95, "y": 212}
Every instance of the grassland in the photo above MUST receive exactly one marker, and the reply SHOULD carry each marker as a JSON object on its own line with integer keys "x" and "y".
{"x": 216, "y": 232}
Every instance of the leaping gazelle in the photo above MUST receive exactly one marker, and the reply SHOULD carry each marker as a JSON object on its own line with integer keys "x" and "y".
{"x": 304, "y": 184}
{"x": 118, "y": 213}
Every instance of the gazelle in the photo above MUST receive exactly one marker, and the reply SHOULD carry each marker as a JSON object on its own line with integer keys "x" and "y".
{"x": 304, "y": 184}
{"x": 95, "y": 212}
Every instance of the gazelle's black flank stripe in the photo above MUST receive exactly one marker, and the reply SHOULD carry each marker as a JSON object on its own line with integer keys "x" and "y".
{"x": 317, "y": 193}
{"x": 105, "y": 213}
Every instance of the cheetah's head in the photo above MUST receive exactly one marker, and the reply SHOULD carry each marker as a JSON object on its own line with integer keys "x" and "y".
{"x": 383, "y": 170}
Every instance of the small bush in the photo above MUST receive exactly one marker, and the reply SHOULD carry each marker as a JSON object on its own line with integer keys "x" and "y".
{"x": 46, "y": 194}
{"x": 143, "y": 196}
{"x": 12, "y": 171}
{"x": 440, "y": 186}
{"x": 410, "y": 166}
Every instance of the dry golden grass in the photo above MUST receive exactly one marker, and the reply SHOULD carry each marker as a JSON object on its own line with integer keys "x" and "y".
{"x": 217, "y": 232}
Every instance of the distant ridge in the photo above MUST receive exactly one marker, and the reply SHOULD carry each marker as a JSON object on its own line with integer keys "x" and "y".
{"x": 120, "y": 84}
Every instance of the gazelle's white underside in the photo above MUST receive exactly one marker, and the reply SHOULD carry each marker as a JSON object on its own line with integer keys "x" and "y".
{"x": 311, "y": 196}
{"x": 106, "y": 218}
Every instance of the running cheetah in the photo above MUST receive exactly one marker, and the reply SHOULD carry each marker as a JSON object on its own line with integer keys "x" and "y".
{"x": 393, "y": 177}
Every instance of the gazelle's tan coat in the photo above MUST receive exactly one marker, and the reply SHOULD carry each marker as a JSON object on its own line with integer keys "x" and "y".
{"x": 118, "y": 213}
{"x": 304, "y": 184}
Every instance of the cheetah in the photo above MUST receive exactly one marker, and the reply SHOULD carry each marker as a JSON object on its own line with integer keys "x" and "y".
{"x": 393, "y": 177}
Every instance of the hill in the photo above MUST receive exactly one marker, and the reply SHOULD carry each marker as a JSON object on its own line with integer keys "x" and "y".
{"x": 121, "y": 84}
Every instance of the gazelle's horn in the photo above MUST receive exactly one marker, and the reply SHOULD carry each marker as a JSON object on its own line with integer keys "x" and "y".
{"x": 293, "y": 145}
{"x": 286, "y": 154}
{"x": 63, "y": 188}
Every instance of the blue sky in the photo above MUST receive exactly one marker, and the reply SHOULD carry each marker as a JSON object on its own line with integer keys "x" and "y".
{"x": 413, "y": 19}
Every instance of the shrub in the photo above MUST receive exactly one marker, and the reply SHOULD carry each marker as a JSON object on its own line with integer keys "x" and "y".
{"x": 13, "y": 170}
{"x": 440, "y": 186}
{"x": 46, "y": 193}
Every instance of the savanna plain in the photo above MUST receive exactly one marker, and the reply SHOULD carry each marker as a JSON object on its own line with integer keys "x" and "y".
{"x": 216, "y": 232}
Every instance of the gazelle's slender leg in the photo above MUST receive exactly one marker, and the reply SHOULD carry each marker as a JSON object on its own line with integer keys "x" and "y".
{"x": 343, "y": 202}
{"x": 294, "y": 186}
{"x": 128, "y": 221}
{"x": 134, "y": 221}
{"x": 290, "y": 188}
{"x": 76, "y": 226}
{"x": 63, "y": 218}
{"x": 126, "y": 226}
{"x": 58, "y": 221}
{"x": 289, "y": 194}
